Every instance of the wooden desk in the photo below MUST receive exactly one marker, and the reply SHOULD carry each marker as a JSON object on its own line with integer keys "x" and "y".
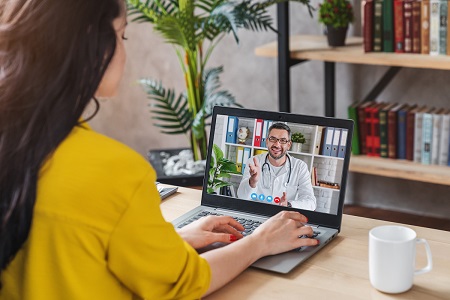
{"x": 339, "y": 271}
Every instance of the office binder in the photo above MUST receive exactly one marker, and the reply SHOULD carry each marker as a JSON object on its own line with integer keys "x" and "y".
{"x": 265, "y": 132}
{"x": 245, "y": 158}
{"x": 239, "y": 155}
{"x": 327, "y": 141}
{"x": 336, "y": 140}
{"x": 318, "y": 140}
{"x": 258, "y": 133}
{"x": 343, "y": 139}
{"x": 232, "y": 127}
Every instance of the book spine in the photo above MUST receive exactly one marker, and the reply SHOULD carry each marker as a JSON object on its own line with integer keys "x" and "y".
{"x": 436, "y": 119}
{"x": 383, "y": 133}
{"x": 388, "y": 26}
{"x": 392, "y": 134}
{"x": 369, "y": 133}
{"x": 407, "y": 25}
{"x": 410, "y": 136}
{"x": 416, "y": 26}
{"x": 352, "y": 114}
{"x": 401, "y": 134}
{"x": 398, "y": 26}
{"x": 425, "y": 27}
{"x": 362, "y": 130}
{"x": 375, "y": 132}
{"x": 427, "y": 134}
{"x": 434, "y": 27}
{"x": 443, "y": 6}
{"x": 368, "y": 26}
{"x": 418, "y": 137}
{"x": 378, "y": 26}
{"x": 445, "y": 137}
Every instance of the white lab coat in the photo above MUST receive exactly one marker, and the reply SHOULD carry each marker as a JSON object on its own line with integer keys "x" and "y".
{"x": 299, "y": 191}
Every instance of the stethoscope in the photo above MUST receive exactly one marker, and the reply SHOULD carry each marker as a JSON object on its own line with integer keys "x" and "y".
{"x": 266, "y": 163}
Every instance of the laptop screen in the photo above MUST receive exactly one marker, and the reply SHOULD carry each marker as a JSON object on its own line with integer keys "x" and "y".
{"x": 273, "y": 159}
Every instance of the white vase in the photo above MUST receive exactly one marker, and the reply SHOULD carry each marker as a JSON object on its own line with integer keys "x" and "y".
{"x": 296, "y": 147}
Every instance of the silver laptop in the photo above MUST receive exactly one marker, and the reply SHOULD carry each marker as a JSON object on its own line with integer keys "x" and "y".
{"x": 241, "y": 134}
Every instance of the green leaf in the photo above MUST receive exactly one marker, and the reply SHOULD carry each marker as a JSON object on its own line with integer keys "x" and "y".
{"x": 218, "y": 154}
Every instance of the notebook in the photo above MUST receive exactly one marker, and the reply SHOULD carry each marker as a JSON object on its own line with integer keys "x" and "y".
{"x": 325, "y": 155}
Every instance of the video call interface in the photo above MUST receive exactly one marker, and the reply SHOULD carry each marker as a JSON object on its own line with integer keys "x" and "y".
{"x": 310, "y": 177}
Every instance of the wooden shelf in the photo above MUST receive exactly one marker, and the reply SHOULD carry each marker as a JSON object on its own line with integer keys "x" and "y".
{"x": 400, "y": 169}
{"x": 310, "y": 47}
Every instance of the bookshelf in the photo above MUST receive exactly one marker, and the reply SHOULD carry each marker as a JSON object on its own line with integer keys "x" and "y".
{"x": 328, "y": 168}
{"x": 302, "y": 48}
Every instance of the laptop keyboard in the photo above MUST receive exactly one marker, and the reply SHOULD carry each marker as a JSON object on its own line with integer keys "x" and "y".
{"x": 249, "y": 224}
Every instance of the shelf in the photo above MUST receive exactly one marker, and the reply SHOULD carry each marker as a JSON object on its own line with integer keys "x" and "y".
{"x": 309, "y": 47}
{"x": 400, "y": 169}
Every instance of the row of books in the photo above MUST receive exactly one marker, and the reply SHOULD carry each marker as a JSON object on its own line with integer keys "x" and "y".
{"x": 401, "y": 131}
{"x": 406, "y": 26}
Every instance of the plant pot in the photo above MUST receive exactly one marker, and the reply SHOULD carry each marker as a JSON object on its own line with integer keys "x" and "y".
{"x": 296, "y": 147}
{"x": 336, "y": 36}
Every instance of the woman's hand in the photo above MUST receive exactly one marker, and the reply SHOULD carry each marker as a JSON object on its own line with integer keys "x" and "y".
{"x": 211, "y": 229}
{"x": 281, "y": 233}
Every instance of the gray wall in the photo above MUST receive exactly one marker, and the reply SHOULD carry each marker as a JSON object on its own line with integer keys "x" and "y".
{"x": 253, "y": 80}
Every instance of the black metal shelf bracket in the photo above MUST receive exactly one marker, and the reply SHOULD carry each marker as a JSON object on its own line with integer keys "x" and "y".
{"x": 382, "y": 83}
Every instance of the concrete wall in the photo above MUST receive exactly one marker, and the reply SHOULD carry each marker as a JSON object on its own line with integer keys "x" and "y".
{"x": 253, "y": 80}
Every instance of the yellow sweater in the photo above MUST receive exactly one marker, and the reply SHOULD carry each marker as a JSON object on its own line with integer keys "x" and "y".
{"x": 98, "y": 232}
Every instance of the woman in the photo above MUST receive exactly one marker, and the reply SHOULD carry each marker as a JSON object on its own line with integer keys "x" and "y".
{"x": 80, "y": 214}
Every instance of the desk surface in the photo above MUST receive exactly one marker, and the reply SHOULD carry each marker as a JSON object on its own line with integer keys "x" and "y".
{"x": 338, "y": 271}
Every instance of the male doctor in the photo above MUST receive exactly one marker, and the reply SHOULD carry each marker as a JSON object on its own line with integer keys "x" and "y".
{"x": 276, "y": 177}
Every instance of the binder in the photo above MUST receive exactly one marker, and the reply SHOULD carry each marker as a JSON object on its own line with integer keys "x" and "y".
{"x": 258, "y": 133}
{"x": 342, "y": 143}
{"x": 239, "y": 155}
{"x": 233, "y": 123}
{"x": 245, "y": 158}
{"x": 265, "y": 132}
{"x": 318, "y": 140}
{"x": 327, "y": 140}
{"x": 335, "y": 144}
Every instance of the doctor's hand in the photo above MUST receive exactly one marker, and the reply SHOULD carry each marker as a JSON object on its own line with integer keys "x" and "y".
{"x": 254, "y": 170}
{"x": 283, "y": 201}
{"x": 211, "y": 229}
{"x": 281, "y": 233}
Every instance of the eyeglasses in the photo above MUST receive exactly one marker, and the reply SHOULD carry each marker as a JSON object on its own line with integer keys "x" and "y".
{"x": 282, "y": 141}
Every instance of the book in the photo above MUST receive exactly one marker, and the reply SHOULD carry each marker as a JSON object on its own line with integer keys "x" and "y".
{"x": 402, "y": 131}
{"x": 416, "y": 26}
{"x": 425, "y": 27}
{"x": 427, "y": 135}
{"x": 362, "y": 125}
{"x": 367, "y": 25}
{"x": 443, "y": 6}
{"x": 434, "y": 27}
{"x": 353, "y": 114}
{"x": 444, "y": 138}
{"x": 399, "y": 36}
{"x": 392, "y": 130}
{"x": 378, "y": 26}
{"x": 410, "y": 131}
{"x": 436, "y": 135}
{"x": 383, "y": 115}
{"x": 388, "y": 26}
{"x": 407, "y": 25}
{"x": 375, "y": 129}
{"x": 418, "y": 122}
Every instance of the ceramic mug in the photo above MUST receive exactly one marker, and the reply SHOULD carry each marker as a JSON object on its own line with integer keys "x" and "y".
{"x": 392, "y": 257}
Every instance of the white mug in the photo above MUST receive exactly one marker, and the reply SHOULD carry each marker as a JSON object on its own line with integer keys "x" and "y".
{"x": 392, "y": 258}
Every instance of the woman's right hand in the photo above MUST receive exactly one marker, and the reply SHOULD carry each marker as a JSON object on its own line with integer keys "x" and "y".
{"x": 282, "y": 233}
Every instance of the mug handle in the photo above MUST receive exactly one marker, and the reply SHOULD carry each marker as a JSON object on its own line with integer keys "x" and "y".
{"x": 429, "y": 265}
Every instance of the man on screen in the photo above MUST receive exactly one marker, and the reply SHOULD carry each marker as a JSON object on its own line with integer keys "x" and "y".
{"x": 276, "y": 177}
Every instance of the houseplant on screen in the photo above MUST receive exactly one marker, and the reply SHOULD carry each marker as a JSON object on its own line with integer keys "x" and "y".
{"x": 298, "y": 139}
{"x": 220, "y": 168}
{"x": 195, "y": 28}
{"x": 336, "y": 15}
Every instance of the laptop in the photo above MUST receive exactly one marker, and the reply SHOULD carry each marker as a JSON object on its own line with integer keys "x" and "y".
{"x": 326, "y": 153}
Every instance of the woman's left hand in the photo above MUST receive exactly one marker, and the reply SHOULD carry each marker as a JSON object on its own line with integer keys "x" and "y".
{"x": 211, "y": 229}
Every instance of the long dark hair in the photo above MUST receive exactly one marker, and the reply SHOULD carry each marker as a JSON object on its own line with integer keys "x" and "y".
{"x": 53, "y": 55}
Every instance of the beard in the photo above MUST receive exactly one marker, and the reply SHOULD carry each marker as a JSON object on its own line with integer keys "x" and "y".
{"x": 277, "y": 157}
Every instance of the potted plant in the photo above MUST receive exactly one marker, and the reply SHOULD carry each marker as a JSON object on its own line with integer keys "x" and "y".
{"x": 195, "y": 28}
{"x": 297, "y": 139}
{"x": 220, "y": 167}
{"x": 336, "y": 15}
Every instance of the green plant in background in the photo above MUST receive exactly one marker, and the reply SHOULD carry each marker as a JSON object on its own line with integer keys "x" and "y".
{"x": 298, "y": 137}
{"x": 194, "y": 28}
{"x": 336, "y": 13}
{"x": 220, "y": 167}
